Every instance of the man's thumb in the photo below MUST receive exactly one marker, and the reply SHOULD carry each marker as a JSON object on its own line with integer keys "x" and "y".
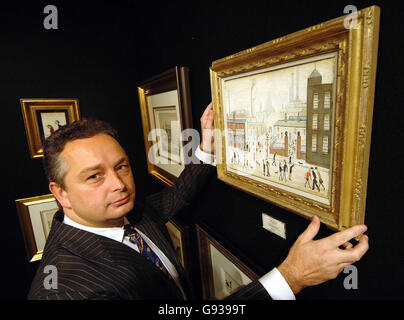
{"x": 311, "y": 230}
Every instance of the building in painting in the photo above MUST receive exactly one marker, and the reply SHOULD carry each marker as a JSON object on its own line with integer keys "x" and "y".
{"x": 236, "y": 130}
{"x": 289, "y": 134}
{"x": 290, "y": 138}
{"x": 319, "y": 120}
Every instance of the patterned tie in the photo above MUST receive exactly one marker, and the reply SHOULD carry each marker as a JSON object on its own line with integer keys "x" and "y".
{"x": 144, "y": 249}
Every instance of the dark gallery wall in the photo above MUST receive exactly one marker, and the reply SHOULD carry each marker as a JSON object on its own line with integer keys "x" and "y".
{"x": 103, "y": 49}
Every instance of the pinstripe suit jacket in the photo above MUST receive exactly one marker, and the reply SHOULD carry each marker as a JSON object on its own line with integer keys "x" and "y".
{"x": 91, "y": 266}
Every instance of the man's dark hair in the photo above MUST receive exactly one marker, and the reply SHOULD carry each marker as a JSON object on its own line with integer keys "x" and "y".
{"x": 55, "y": 167}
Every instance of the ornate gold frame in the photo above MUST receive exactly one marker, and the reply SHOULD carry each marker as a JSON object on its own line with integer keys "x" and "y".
{"x": 173, "y": 79}
{"x": 29, "y": 110}
{"x": 33, "y": 252}
{"x": 356, "y": 72}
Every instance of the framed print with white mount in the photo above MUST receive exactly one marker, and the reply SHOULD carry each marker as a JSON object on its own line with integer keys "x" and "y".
{"x": 295, "y": 115}
{"x": 222, "y": 273}
{"x": 35, "y": 215}
{"x": 44, "y": 116}
{"x": 165, "y": 107}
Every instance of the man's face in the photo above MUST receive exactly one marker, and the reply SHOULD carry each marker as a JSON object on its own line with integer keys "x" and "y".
{"x": 99, "y": 186}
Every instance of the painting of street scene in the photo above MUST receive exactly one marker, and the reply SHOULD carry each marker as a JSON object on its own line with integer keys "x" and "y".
{"x": 279, "y": 125}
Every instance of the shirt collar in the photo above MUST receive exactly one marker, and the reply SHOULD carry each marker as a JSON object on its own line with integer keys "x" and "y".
{"x": 114, "y": 233}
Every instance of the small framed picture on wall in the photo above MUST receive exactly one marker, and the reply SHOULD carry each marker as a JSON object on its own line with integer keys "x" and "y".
{"x": 180, "y": 237}
{"x": 36, "y": 215}
{"x": 165, "y": 106}
{"x": 42, "y": 117}
{"x": 222, "y": 273}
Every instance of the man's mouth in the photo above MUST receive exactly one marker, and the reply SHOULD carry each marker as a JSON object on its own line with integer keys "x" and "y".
{"x": 121, "y": 201}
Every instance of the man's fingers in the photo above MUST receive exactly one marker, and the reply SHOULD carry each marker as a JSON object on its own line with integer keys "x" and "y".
{"x": 208, "y": 117}
{"x": 311, "y": 230}
{"x": 207, "y": 110}
{"x": 347, "y": 245}
{"x": 339, "y": 238}
{"x": 356, "y": 253}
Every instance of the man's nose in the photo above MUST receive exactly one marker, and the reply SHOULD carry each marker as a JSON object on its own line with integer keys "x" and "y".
{"x": 116, "y": 182}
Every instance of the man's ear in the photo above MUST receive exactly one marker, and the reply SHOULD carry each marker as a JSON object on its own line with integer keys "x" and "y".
{"x": 60, "y": 194}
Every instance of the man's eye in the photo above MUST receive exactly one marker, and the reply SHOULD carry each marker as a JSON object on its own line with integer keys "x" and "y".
{"x": 123, "y": 167}
{"x": 93, "y": 177}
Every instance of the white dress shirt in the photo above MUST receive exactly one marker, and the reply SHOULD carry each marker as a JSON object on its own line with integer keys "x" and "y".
{"x": 273, "y": 281}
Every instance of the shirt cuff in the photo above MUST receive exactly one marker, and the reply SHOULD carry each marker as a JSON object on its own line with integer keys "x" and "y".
{"x": 277, "y": 286}
{"x": 205, "y": 157}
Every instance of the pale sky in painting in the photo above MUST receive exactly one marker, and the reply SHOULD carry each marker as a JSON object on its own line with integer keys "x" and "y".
{"x": 272, "y": 87}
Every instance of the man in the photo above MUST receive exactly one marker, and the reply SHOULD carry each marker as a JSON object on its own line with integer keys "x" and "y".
{"x": 319, "y": 178}
{"x": 90, "y": 176}
{"x": 307, "y": 176}
{"x": 263, "y": 167}
{"x": 290, "y": 171}
{"x": 285, "y": 169}
{"x": 58, "y": 125}
{"x": 315, "y": 184}
{"x": 280, "y": 171}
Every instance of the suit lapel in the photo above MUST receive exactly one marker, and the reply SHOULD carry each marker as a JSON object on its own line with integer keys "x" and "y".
{"x": 148, "y": 222}
{"x": 89, "y": 244}
{"x": 80, "y": 242}
{"x": 93, "y": 247}
{"x": 155, "y": 229}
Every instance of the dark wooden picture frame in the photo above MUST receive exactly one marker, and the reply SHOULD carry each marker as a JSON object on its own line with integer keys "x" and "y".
{"x": 180, "y": 234}
{"x": 171, "y": 87}
{"x": 218, "y": 283}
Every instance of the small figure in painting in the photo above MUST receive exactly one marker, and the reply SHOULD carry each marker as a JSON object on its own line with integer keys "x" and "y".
{"x": 58, "y": 125}
{"x": 285, "y": 169}
{"x": 290, "y": 171}
{"x": 228, "y": 285}
{"x": 308, "y": 178}
{"x": 319, "y": 178}
{"x": 267, "y": 162}
{"x": 315, "y": 184}
{"x": 51, "y": 129}
{"x": 273, "y": 161}
{"x": 263, "y": 167}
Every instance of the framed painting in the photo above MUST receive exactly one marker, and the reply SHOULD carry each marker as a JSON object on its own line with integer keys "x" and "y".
{"x": 44, "y": 116}
{"x": 35, "y": 215}
{"x": 222, "y": 273}
{"x": 180, "y": 237}
{"x": 295, "y": 117}
{"x": 165, "y": 107}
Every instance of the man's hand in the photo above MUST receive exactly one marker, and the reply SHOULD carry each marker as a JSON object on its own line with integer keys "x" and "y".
{"x": 207, "y": 127}
{"x": 312, "y": 262}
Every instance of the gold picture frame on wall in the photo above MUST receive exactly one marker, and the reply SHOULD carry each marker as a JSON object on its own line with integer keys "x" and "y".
{"x": 35, "y": 215}
{"x": 165, "y": 106}
{"x": 295, "y": 117}
{"x": 44, "y": 116}
{"x": 222, "y": 273}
